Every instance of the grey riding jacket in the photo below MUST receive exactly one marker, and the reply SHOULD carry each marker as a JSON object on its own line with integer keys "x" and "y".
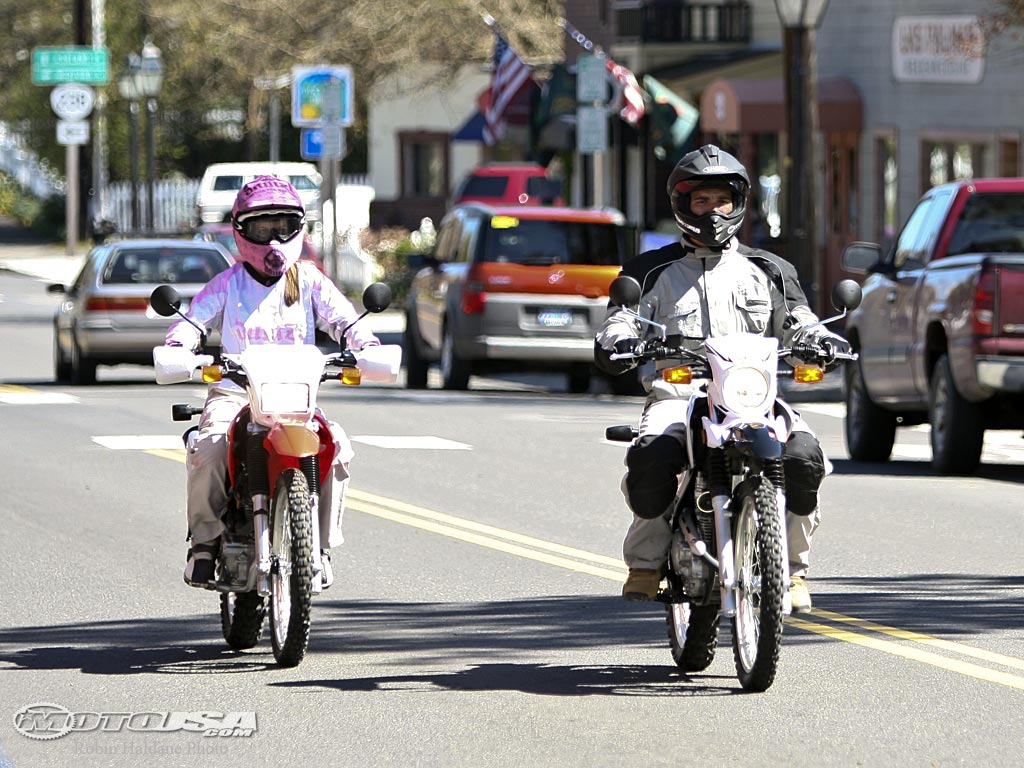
{"x": 698, "y": 293}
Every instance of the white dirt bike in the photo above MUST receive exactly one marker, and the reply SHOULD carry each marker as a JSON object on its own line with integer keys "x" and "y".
{"x": 728, "y": 553}
{"x": 279, "y": 446}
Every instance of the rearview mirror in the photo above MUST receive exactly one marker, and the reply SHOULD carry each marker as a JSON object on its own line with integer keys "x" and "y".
{"x": 624, "y": 291}
{"x": 165, "y": 301}
{"x": 376, "y": 297}
{"x": 846, "y": 295}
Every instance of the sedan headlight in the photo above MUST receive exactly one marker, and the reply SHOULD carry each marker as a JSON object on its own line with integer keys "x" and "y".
{"x": 745, "y": 388}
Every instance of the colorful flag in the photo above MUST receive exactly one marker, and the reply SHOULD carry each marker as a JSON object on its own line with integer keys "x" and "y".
{"x": 509, "y": 75}
{"x": 632, "y": 96}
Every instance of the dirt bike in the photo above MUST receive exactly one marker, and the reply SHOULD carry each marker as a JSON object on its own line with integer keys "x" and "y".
{"x": 728, "y": 555}
{"x": 278, "y": 447}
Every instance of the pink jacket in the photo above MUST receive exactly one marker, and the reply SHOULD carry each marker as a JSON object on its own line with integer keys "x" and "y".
{"x": 248, "y": 312}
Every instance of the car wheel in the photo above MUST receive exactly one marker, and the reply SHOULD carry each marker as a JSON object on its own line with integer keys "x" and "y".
{"x": 579, "y": 379}
{"x": 958, "y": 433}
{"x": 83, "y": 369}
{"x": 416, "y": 368}
{"x": 454, "y": 370}
{"x": 61, "y": 365}
{"x": 870, "y": 430}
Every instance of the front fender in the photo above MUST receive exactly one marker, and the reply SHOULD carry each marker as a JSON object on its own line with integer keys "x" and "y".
{"x": 294, "y": 440}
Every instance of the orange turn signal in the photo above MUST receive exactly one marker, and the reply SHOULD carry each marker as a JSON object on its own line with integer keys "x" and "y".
{"x": 211, "y": 374}
{"x": 351, "y": 376}
{"x": 808, "y": 374}
{"x": 682, "y": 374}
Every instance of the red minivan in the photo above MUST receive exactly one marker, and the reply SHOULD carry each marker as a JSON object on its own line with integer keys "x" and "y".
{"x": 509, "y": 184}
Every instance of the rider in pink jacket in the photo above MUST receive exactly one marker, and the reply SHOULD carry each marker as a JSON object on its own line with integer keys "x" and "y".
{"x": 267, "y": 297}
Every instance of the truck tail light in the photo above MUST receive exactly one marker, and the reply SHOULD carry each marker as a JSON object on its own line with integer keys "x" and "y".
{"x": 986, "y": 295}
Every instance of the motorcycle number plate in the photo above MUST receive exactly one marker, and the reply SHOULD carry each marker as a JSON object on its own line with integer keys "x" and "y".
{"x": 554, "y": 318}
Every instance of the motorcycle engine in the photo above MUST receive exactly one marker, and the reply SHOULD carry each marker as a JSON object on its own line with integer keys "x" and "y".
{"x": 695, "y": 574}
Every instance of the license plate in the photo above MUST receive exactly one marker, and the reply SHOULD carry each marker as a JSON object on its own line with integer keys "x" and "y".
{"x": 554, "y": 318}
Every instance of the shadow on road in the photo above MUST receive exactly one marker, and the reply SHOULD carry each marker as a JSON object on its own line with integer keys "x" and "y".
{"x": 496, "y": 643}
{"x": 989, "y": 471}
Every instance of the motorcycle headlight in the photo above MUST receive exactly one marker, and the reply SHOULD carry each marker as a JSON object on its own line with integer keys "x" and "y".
{"x": 745, "y": 388}
{"x": 284, "y": 398}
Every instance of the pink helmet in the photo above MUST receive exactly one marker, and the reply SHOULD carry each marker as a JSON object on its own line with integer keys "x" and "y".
{"x": 268, "y": 218}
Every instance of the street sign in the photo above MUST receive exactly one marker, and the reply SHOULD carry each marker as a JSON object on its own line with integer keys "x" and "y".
{"x": 325, "y": 143}
{"x": 321, "y": 95}
{"x": 72, "y": 101}
{"x": 591, "y": 130}
{"x": 72, "y": 132}
{"x": 591, "y": 79}
{"x": 69, "y": 64}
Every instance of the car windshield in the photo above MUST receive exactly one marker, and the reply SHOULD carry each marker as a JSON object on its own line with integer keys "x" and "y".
{"x": 990, "y": 223}
{"x": 543, "y": 243}
{"x": 227, "y": 183}
{"x": 163, "y": 265}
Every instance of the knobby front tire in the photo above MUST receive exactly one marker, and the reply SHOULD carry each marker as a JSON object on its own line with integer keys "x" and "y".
{"x": 292, "y": 579}
{"x": 757, "y": 625}
{"x": 241, "y": 618}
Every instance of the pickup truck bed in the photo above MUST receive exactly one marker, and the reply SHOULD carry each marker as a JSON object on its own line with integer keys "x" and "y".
{"x": 940, "y": 332}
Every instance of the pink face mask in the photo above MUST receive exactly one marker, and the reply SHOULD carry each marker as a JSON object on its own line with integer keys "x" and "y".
{"x": 261, "y": 196}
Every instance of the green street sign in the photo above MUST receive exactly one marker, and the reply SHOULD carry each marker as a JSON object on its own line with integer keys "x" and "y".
{"x": 69, "y": 64}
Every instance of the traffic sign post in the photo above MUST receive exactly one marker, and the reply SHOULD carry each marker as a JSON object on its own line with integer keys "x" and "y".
{"x": 321, "y": 95}
{"x": 69, "y": 64}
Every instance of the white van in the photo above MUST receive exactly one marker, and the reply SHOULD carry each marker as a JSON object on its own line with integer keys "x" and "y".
{"x": 221, "y": 182}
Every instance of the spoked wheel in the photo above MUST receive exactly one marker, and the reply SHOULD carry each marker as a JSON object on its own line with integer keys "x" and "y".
{"x": 757, "y": 625}
{"x": 692, "y": 634}
{"x": 291, "y": 581}
{"x": 241, "y": 618}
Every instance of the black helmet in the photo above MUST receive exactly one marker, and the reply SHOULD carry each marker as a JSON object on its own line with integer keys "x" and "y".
{"x": 712, "y": 167}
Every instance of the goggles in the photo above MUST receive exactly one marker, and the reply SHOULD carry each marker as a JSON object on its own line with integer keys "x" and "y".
{"x": 265, "y": 228}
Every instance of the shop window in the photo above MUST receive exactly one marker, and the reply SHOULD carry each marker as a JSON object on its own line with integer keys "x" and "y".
{"x": 424, "y": 158}
{"x": 886, "y": 177}
{"x": 1009, "y": 158}
{"x": 950, "y": 161}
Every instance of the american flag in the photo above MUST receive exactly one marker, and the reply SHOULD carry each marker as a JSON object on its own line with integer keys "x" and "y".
{"x": 632, "y": 95}
{"x": 508, "y": 76}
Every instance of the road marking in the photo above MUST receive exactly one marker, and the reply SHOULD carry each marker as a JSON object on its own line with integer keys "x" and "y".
{"x": 12, "y": 394}
{"x": 139, "y": 442}
{"x": 612, "y": 569}
{"x": 925, "y": 657}
{"x": 415, "y": 442}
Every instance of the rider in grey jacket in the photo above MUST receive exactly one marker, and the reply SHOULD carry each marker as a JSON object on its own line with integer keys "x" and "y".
{"x": 703, "y": 286}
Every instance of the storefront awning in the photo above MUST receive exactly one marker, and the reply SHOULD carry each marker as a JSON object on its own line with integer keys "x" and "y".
{"x": 759, "y": 106}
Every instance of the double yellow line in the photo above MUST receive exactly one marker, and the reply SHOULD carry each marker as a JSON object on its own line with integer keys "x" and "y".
{"x": 610, "y": 568}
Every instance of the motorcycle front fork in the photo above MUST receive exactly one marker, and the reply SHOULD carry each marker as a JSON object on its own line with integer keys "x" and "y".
{"x": 722, "y": 505}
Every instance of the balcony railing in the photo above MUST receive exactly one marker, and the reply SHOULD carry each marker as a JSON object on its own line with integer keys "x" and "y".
{"x": 679, "y": 21}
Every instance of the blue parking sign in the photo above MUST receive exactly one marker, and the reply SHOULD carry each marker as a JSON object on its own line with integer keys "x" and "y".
{"x": 311, "y": 145}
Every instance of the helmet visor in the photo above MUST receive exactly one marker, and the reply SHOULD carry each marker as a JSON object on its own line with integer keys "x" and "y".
{"x": 265, "y": 228}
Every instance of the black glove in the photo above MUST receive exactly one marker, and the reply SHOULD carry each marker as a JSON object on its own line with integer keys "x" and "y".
{"x": 628, "y": 346}
{"x": 833, "y": 345}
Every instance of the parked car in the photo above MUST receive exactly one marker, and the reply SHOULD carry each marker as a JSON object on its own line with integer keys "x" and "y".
{"x": 223, "y": 234}
{"x": 513, "y": 288}
{"x": 103, "y": 319}
{"x": 509, "y": 184}
{"x": 940, "y": 330}
{"x": 221, "y": 182}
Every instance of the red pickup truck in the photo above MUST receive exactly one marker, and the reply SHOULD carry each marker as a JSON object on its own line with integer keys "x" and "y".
{"x": 940, "y": 331}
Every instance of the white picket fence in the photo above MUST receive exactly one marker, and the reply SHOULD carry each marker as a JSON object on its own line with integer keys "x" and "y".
{"x": 174, "y": 206}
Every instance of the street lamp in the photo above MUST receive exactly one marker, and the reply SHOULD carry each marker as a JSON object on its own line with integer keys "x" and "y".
{"x": 799, "y": 20}
{"x": 148, "y": 79}
{"x": 126, "y": 86}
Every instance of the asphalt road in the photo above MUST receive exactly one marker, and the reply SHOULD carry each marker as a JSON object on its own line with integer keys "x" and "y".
{"x": 475, "y": 620}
